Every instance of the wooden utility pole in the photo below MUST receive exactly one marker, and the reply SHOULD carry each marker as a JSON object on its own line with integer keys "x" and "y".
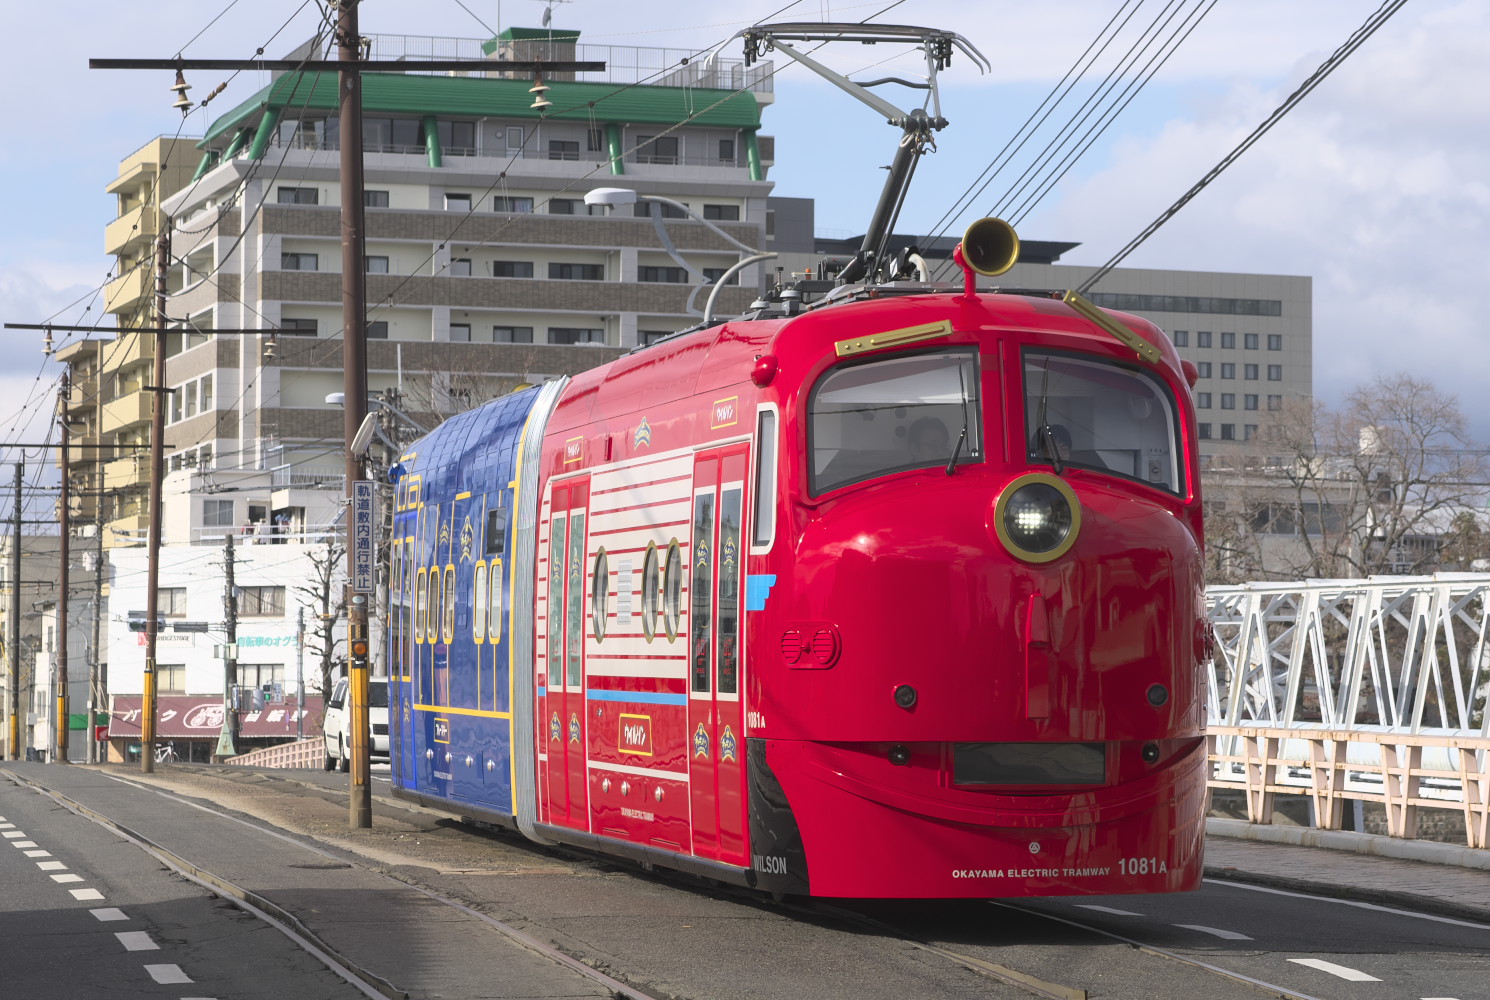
{"x": 354, "y": 389}
{"x": 64, "y": 556}
{"x": 157, "y": 473}
{"x": 225, "y": 740}
{"x": 98, "y": 684}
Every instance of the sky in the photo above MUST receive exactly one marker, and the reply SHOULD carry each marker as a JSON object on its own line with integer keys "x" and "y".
{"x": 1377, "y": 186}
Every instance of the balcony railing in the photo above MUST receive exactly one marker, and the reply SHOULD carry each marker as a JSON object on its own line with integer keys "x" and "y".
{"x": 532, "y": 151}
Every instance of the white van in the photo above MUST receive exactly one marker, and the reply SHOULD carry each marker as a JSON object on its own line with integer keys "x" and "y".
{"x": 338, "y": 724}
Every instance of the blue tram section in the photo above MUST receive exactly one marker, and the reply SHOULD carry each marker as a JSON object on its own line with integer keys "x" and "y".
{"x": 449, "y": 642}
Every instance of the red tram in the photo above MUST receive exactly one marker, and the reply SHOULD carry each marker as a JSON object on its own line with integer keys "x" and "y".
{"x": 899, "y": 596}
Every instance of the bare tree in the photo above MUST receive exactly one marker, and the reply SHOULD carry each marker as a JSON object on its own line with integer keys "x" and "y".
{"x": 1372, "y": 488}
{"x": 324, "y": 593}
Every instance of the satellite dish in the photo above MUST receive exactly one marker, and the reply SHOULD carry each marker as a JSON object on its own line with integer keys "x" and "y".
{"x": 364, "y": 435}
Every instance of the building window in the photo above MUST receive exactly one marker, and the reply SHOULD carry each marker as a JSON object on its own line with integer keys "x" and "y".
{"x": 595, "y": 139}
{"x": 1250, "y": 400}
{"x": 722, "y": 213}
{"x": 170, "y": 678}
{"x": 1275, "y": 373}
{"x": 460, "y": 267}
{"x": 1204, "y": 368}
{"x": 1250, "y": 371}
{"x": 511, "y": 203}
{"x": 457, "y": 203}
{"x": 457, "y": 138}
{"x": 727, "y": 151}
{"x": 261, "y": 602}
{"x": 713, "y": 274}
{"x": 646, "y": 337}
{"x": 299, "y": 327}
{"x": 657, "y": 149}
{"x": 575, "y": 335}
{"x": 1203, "y": 338}
{"x": 643, "y": 210}
{"x": 1249, "y": 431}
{"x": 1275, "y": 403}
{"x": 512, "y": 269}
{"x": 376, "y": 265}
{"x": 460, "y": 333}
{"x": 217, "y": 514}
{"x": 377, "y": 330}
{"x": 299, "y": 262}
{"x": 572, "y": 206}
{"x": 298, "y": 196}
{"x": 1228, "y": 341}
{"x": 1181, "y": 338}
{"x": 563, "y": 149}
{"x": 1228, "y": 401}
{"x": 1205, "y": 431}
{"x": 1228, "y": 370}
{"x": 1275, "y": 341}
{"x": 673, "y": 275}
{"x": 512, "y": 334}
{"x": 515, "y": 138}
{"x": 1202, "y": 401}
{"x": 576, "y": 272}
{"x": 1249, "y": 341}
{"x": 374, "y": 199}
{"x": 1228, "y": 432}
{"x": 170, "y": 602}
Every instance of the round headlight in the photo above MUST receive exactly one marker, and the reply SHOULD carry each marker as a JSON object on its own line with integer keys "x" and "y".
{"x": 1037, "y": 517}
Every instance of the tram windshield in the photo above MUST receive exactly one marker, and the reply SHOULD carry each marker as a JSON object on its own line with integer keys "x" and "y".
{"x": 905, "y": 412}
{"x": 1094, "y": 414}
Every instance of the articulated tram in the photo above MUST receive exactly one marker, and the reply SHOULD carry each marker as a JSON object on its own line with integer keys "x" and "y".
{"x": 895, "y": 596}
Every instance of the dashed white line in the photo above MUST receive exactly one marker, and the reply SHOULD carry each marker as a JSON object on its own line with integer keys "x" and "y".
{"x": 107, "y": 913}
{"x": 23, "y": 843}
{"x": 167, "y": 974}
{"x": 51, "y": 866}
{"x": 82, "y": 894}
{"x": 136, "y": 941}
{"x": 38, "y": 854}
{"x": 67, "y": 878}
{"x": 1354, "y": 975}
{"x": 1217, "y": 931}
{"x": 12, "y": 834}
{"x": 1108, "y": 909}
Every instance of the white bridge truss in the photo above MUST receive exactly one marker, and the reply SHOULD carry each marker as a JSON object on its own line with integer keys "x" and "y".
{"x": 1368, "y": 689}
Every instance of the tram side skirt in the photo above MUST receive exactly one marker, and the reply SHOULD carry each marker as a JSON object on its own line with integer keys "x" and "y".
{"x": 778, "y": 858}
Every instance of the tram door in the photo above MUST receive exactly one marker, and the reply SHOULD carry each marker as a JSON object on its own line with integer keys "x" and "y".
{"x": 716, "y": 745}
{"x": 564, "y": 708}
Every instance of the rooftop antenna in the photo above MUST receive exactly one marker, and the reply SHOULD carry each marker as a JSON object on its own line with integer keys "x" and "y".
{"x": 917, "y": 126}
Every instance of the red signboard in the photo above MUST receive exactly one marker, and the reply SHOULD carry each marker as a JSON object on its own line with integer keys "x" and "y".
{"x": 179, "y": 717}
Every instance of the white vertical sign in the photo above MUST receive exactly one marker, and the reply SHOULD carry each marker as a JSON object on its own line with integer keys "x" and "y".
{"x": 362, "y": 536}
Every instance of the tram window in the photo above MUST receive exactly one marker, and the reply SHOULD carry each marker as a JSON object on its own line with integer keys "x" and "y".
{"x": 701, "y": 558}
{"x": 419, "y": 608}
{"x": 1101, "y": 416}
{"x": 672, "y": 591}
{"x": 651, "y": 581}
{"x": 765, "y": 479}
{"x": 729, "y": 589}
{"x": 575, "y": 610}
{"x": 494, "y": 615}
{"x": 478, "y": 603}
{"x": 432, "y": 600}
{"x": 599, "y": 594}
{"x": 449, "y": 595}
{"x": 909, "y": 411}
{"x": 496, "y": 531}
{"x": 555, "y": 628}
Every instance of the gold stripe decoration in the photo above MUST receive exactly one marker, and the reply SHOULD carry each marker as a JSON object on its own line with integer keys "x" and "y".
{"x": 893, "y": 338}
{"x": 1146, "y": 351}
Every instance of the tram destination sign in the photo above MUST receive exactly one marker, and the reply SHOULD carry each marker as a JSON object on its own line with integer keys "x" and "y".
{"x": 362, "y": 522}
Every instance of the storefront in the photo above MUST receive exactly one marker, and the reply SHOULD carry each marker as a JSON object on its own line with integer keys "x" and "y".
{"x": 190, "y": 727}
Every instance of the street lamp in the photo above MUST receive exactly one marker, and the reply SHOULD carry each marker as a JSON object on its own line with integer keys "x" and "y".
{"x": 613, "y": 196}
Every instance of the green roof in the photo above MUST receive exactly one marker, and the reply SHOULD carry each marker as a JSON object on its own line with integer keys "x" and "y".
{"x": 480, "y": 97}
{"x": 529, "y": 35}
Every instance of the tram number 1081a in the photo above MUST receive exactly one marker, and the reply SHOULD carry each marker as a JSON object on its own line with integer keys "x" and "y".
{"x": 1142, "y": 866}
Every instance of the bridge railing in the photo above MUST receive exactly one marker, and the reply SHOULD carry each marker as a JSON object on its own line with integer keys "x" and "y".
{"x": 1369, "y": 690}
{"x": 302, "y": 754}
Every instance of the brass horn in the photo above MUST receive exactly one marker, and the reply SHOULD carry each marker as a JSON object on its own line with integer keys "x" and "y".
{"x": 990, "y": 246}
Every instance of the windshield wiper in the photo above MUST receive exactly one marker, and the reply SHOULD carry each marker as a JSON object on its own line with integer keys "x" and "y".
{"x": 962, "y": 435}
{"x": 1047, "y": 436}
{"x": 958, "y": 449}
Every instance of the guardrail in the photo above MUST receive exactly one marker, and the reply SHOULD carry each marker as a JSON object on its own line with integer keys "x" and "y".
{"x": 303, "y": 754}
{"x": 1404, "y": 772}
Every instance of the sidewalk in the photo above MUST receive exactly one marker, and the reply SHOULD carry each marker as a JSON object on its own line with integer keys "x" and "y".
{"x": 1444, "y": 879}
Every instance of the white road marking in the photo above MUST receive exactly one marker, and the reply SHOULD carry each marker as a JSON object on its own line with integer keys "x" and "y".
{"x": 12, "y": 834}
{"x": 167, "y": 974}
{"x": 1440, "y": 998}
{"x": 67, "y": 878}
{"x": 1108, "y": 909}
{"x": 136, "y": 941}
{"x": 109, "y": 913}
{"x": 82, "y": 894}
{"x": 38, "y": 854}
{"x": 51, "y": 866}
{"x": 1218, "y": 932}
{"x": 1354, "y": 975}
{"x": 1350, "y": 902}
{"x": 6, "y": 826}
{"x": 23, "y": 843}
